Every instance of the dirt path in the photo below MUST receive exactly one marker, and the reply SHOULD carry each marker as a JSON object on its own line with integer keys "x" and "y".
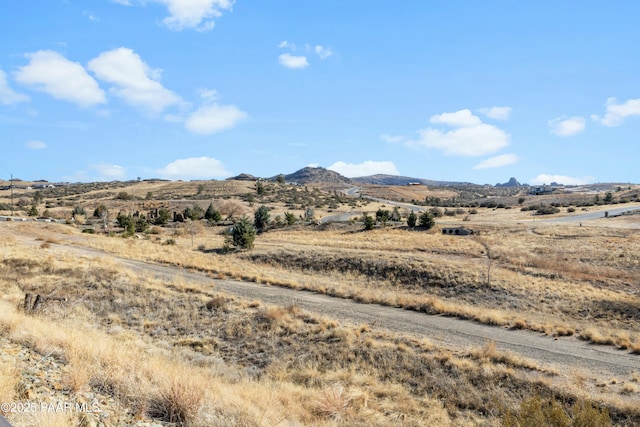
{"x": 566, "y": 355}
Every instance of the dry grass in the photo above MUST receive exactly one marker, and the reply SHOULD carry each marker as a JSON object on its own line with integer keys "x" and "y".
{"x": 277, "y": 357}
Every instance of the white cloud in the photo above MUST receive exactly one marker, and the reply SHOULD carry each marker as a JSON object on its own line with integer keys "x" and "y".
{"x": 497, "y": 113}
{"x": 293, "y": 61}
{"x": 52, "y": 73}
{"x": 194, "y": 167}
{"x": 214, "y": 118}
{"x": 462, "y": 118}
{"x": 133, "y": 80}
{"x": 323, "y": 52}
{"x": 567, "y": 126}
{"x": 471, "y": 138}
{"x": 198, "y": 14}
{"x": 392, "y": 139}
{"x": 7, "y": 95}
{"x": 561, "y": 179}
{"x": 366, "y": 168}
{"x": 497, "y": 161}
{"x": 35, "y": 145}
{"x": 616, "y": 113}
{"x": 286, "y": 45}
{"x": 109, "y": 171}
{"x": 122, "y": 2}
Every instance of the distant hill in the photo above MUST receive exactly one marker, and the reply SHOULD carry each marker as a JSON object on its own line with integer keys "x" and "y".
{"x": 311, "y": 174}
{"x": 511, "y": 183}
{"x": 382, "y": 179}
{"x": 243, "y": 177}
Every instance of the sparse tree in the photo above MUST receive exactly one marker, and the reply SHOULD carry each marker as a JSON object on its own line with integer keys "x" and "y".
{"x": 33, "y": 211}
{"x": 261, "y": 218}
{"x": 260, "y": 190}
{"x": 280, "y": 179}
{"x": 608, "y": 198}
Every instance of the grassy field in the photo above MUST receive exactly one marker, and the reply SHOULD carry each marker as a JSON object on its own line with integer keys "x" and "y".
{"x": 213, "y": 359}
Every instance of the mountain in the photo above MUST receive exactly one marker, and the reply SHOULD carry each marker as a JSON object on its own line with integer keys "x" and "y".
{"x": 311, "y": 174}
{"x": 382, "y": 179}
{"x": 511, "y": 183}
{"x": 243, "y": 177}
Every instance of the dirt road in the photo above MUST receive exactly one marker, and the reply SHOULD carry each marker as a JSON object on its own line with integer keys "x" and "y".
{"x": 565, "y": 354}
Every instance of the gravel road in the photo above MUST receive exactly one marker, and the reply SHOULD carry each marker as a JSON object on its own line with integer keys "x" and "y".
{"x": 564, "y": 354}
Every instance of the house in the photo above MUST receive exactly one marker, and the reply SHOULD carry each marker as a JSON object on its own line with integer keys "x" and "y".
{"x": 457, "y": 231}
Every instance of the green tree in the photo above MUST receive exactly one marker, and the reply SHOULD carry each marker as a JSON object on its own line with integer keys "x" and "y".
{"x": 212, "y": 214}
{"x": 426, "y": 220}
{"x": 33, "y": 211}
{"x": 412, "y": 218}
{"x": 280, "y": 179}
{"x": 163, "y": 217}
{"x": 261, "y": 218}
{"x": 243, "y": 233}
{"x": 126, "y": 222}
{"x": 260, "y": 190}
{"x": 382, "y": 215}
{"x": 194, "y": 213}
{"x": 608, "y": 198}
{"x": 368, "y": 221}
{"x": 141, "y": 224}
{"x": 149, "y": 195}
{"x": 290, "y": 218}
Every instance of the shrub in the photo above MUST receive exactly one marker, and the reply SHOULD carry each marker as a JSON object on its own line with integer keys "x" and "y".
{"x": 368, "y": 221}
{"x": 261, "y": 218}
{"x": 290, "y": 218}
{"x": 162, "y": 218}
{"x": 243, "y": 233}
{"x": 78, "y": 210}
{"x": 33, "y": 211}
{"x": 123, "y": 195}
{"x": 546, "y": 210}
{"x": 212, "y": 214}
{"x": 412, "y": 218}
{"x": 194, "y": 213}
{"x": 426, "y": 220}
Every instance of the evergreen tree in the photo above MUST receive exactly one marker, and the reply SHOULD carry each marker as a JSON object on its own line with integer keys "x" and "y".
{"x": 412, "y": 218}
{"x": 243, "y": 233}
{"x": 261, "y": 218}
{"x": 426, "y": 220}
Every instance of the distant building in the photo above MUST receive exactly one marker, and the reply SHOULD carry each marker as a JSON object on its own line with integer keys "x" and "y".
{"x": 544, "y": 189}
{"x": 414, "y": 183}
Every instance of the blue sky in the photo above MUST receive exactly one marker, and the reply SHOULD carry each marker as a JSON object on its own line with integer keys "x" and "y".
{"x": 475, "y": 91}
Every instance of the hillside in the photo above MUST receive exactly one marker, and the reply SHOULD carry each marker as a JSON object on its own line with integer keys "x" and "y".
{"x": 310, "y": 174}
{"x": 383, "y": 179}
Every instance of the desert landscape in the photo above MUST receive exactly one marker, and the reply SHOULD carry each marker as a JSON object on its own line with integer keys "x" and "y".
{"x": 144, "y": 303}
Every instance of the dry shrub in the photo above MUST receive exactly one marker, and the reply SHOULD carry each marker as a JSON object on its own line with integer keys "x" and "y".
{"x": 519, "y": 323}
{"x": 564, "y": 331}
{"x": 635, "y": 348}
{"x": 218, "y": 302}
{"x": 489, "y": 350}
{"x": 596, "y": 337}
{"x": 178, "y": 400}
{"x": 333, "y": 403}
